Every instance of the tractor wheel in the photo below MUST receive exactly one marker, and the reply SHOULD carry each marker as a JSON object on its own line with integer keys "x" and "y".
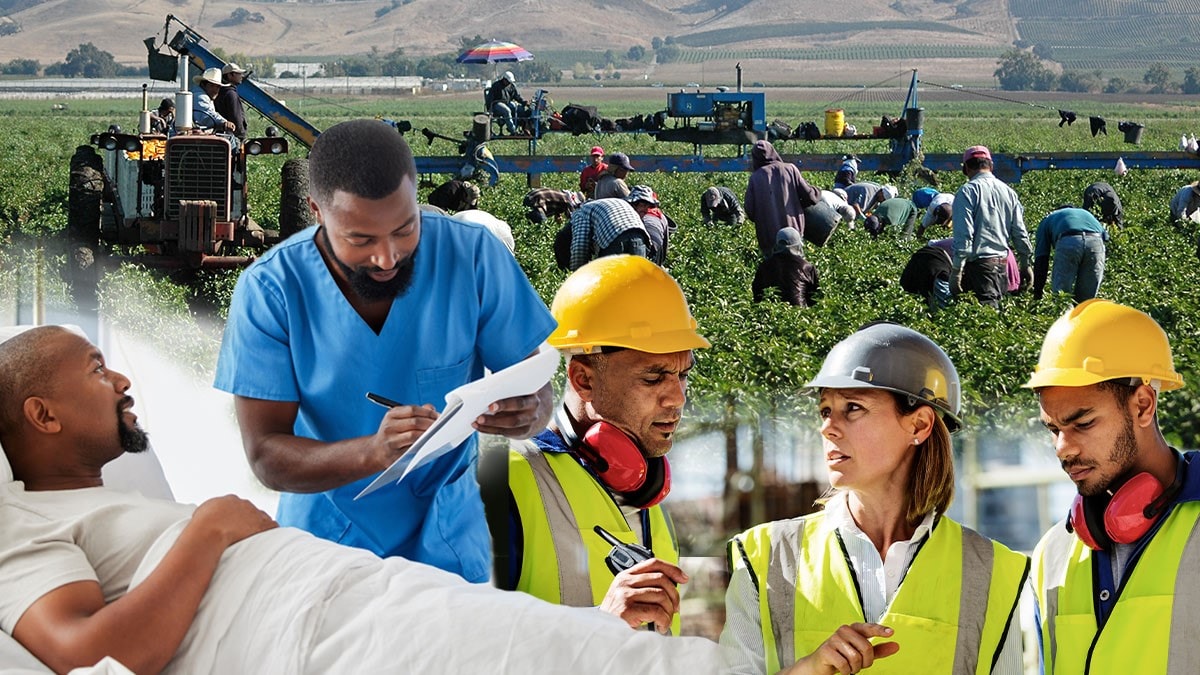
{"x": 84, "y": 195}
{"x": 294, "y": 212}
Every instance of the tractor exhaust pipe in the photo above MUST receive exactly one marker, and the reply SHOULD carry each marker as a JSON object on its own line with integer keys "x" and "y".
{"x": 183, "y": 97}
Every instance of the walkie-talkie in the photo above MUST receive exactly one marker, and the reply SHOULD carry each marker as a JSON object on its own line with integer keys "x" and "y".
{"x": 622, "y": 556}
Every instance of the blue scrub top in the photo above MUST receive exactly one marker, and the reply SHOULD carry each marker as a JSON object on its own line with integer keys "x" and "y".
{"x": 291, "y": 335}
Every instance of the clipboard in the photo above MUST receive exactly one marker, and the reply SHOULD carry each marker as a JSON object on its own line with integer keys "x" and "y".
{"x": 463, "y": 406}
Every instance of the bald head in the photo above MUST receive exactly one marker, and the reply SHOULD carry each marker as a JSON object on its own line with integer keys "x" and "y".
{"x": 27, "y": 368}
{"x": 63, "y": 413}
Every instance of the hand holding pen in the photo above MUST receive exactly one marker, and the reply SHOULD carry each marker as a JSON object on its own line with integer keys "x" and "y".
{"x": 401, "y": 426}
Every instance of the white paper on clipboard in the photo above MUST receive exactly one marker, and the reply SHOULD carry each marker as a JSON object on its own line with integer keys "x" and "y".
{"x": 463, "y": 406}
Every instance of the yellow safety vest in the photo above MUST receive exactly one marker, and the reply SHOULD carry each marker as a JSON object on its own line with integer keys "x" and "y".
{"x": 559, "y": 503}
{"x": 1154, "y": 626}
{"x": 950, "y": 614}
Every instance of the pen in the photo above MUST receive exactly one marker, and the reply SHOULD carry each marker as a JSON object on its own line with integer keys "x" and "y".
{"x": 382, "y": 400}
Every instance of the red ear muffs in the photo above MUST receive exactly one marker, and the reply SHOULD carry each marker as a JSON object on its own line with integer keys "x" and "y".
{"x": 614, "y": 457}
{"x": 618, "y": 463}
{"x": 1125, "y": 517}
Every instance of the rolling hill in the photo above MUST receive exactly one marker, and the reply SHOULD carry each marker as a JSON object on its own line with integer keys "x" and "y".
{"x": 798, "y": 41}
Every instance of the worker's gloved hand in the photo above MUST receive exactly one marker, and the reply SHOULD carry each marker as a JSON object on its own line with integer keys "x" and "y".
{"x": 956, "y": 283}
{"x": 1026, "y": 278}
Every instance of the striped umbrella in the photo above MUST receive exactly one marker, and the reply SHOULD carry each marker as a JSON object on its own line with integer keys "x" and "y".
{"x": 495, "y": 51}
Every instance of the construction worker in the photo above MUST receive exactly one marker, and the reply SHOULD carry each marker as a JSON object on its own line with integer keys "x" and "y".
{"x": 628, "y": 335}
{"x": 1116, "y": 582}
{"x": 880, "y": 578}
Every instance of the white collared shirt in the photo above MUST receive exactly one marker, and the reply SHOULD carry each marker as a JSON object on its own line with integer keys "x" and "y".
{"x": 877, "y": 580}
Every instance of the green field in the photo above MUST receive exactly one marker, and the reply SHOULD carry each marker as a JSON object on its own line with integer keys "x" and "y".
{"x": 762, "y": 352}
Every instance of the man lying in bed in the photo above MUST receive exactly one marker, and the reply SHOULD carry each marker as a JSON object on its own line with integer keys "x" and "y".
{"x": 88, "y": 572}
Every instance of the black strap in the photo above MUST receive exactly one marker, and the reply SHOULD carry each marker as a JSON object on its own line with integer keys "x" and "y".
{"x": 493, "y": 489}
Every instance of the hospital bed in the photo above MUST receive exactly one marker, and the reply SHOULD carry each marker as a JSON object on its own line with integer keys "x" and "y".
{"x": 141, "y": 472}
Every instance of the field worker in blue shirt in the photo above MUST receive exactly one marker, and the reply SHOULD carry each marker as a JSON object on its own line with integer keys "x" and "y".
{"x": 987, "y": 215}
{"x": 378, "y": 297}
{"x": 1077, "y": 239}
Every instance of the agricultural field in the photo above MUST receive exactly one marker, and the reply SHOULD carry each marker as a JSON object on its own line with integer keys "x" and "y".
{"x": 762, "y": 353}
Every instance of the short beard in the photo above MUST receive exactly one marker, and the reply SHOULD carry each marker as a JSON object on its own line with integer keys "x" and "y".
{"x": 1122, "y": 456}
{"x": 367, "y": 288}
{"x": 133, "y": 438}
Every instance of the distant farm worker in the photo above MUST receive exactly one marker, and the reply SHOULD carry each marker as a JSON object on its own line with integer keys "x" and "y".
{"x": 204, "y": 112}
{"x": 626, "y": 331}
{"x": 1077, "y": 240}
{"x": 836, "y": 201}
{"x": 543, "y": 203}
{"x": 776, "y": 196}
{"x": 881, "y": 580}
{"x": 611, "y": 182}
{"x": 939, "y": 210}
{"x": 591, "y": 172}
{"x": 1116, "y": 582}
{"x": 787, "y": 271}
{"x": 1102, "y": 197}
{"x": 1012, "y": 271}
{"x": 1185, "y": 205}
{"x": 987, "y": 215}
{"x": 602, "y": 227}
{"x": 229, "y": 102}
{"x": 927, "y": 274}
{"x": 505, "y": 102}
{"x": 659, "y": 227}
{"x": 162, "y": 119}
{"x": 847, "y": 174}
{"x": 865, "y": 195}
{"x": 718, "y": 204}
{"x": 896, "y": 212}
{"x": 373, "y": 300}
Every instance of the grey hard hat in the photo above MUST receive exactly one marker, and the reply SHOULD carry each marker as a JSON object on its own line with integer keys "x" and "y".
{"x": 892, "y": 357}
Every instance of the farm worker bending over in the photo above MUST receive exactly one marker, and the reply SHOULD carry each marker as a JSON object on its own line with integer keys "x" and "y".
{"x": 628, "y": 336}
{"x": 1116, "y": 583}
{"x": 776, "y": 196}
{"x": 942, "y": 597}
{"x": 987, "y": 215}
{"x": 88, "y": 572}
{"x": 378, "y": 297}
{"x": 603, "y": 227}
{"x": 1077, "y": 239}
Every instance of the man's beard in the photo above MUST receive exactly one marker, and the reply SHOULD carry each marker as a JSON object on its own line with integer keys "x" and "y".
{"x": 367, "y": 288}
{"x": 1122, "y": 456}
{"x": 133, "y": 438}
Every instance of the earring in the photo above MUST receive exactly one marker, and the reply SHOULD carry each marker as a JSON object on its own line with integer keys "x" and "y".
{"x": 916, "y": 441}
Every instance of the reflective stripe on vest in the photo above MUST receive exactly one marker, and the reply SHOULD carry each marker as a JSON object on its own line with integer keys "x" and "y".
{"x": 811, "y": 591}
{"x": 1152, "y": 628}
{"x": 561, "y": 561}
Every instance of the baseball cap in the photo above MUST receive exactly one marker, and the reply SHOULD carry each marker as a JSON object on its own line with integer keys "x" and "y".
{"x": 642, "y": 193}
{"x": 620, "y": 159}
{"x": 890, "y": 191}
{"x": 232, "y": 68}
{"x": 977, "y": 151}
{"x": 597, "y": 150}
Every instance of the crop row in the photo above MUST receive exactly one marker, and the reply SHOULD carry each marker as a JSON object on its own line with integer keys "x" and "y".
{"x": 1131, "y": 10}
{"x": 725, "y": 36}
{"x": 871, "y": 52}
{"x": 1149, "y": 33}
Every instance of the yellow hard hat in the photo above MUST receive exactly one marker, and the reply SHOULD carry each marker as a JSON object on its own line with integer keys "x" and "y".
{"x": 623, "y": 301}
{"x": 1099, "y": 340}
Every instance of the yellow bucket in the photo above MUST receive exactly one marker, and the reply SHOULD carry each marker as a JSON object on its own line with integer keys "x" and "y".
{"x": 835, "y": 122}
